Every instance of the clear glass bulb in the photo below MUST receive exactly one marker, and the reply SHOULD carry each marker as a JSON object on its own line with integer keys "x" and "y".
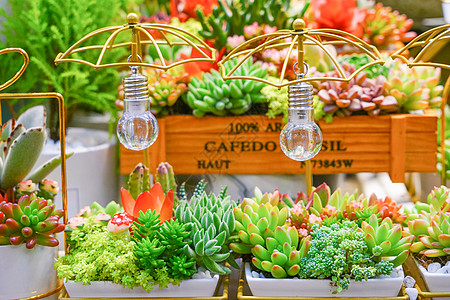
{"x": 137, "y": 129}
{"x": 301, "y": 138}
{"x": 301, "y": 141}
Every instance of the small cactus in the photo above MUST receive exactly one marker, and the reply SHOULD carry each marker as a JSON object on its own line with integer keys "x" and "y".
{"x": 166, "y": 177}
{"x": 32, "y": 220}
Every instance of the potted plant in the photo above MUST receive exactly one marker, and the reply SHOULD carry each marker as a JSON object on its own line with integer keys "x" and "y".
{"x": 132, "y": 252}
{"x": 28, "y": 217}
{"x": 431, "y": 228}
{"x": 333, "y": 243}
{"x": 42, "y": 30}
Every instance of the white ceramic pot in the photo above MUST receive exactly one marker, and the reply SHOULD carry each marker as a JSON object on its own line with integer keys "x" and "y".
{"x": 26, "y": 272}
{"x": 91, "y": 171}
{"x": 436, "y": 282}
{"x": 108, "y": 289}
{"x": 292, "y": 287}
{"x": 446, "y": 10}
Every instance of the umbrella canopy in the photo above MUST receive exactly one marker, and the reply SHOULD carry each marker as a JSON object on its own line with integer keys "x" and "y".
{"x": 155, "y": 34}
{"x": 298, "y": 38}
{"x": 427, "y": 44}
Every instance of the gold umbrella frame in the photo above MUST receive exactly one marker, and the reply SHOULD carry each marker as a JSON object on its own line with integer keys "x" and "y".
{"x": 300, "y": 36}
{"x": 428, "y": 40}
{"x": 136, "y": 45}
{"x": 53, "y": 96}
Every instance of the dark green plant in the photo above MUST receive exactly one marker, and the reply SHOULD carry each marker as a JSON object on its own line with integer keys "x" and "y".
{"x": 45, "y": 28}
{"x": 235, "y": 14}
{"x": 161, "y": 246}
{"x": 339, "y": 253}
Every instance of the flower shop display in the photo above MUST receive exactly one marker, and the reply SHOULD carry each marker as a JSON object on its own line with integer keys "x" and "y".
{"x": 343, "y": 238}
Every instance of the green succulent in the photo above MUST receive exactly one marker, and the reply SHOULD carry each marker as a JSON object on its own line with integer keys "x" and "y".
{"x": 432, "y": 233}
{"x": 386, "y": 239}
{"x": 437, "y": 201}
{"x": 213, "y": 95}
{"x": 166, "y": 177}
{"x": 161, "y": 246}
{"x": 139, "y": 180}
{"x": 32, "y": 220}
{"x": 339, "y": 252}
{"x": 21, "y": 145}
{"x": 414, "y": 89}
{"x": 210, "y": 220}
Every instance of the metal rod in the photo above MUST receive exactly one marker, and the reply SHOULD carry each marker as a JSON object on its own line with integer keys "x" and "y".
{"x": 443, "y": 124}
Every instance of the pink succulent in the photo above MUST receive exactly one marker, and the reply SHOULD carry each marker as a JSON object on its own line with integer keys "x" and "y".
{"x": 49, "y": 185}
{"x": 85, "y": 212}
{"x": 26, "y": 186}
{"x": 76, "y": 222}
{"x": 269, "y": 29}
{"x": 234, "y": 41}
{"x": 251, "y": 30}
{"x": 102, "y": 217}
{"x": 120, "y": 222}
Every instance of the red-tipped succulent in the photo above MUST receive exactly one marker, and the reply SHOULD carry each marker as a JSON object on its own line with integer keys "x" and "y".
{"x": 32, "y": 220}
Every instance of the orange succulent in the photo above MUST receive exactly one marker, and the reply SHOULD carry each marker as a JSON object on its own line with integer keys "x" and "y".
{"x": 154, "y": 199}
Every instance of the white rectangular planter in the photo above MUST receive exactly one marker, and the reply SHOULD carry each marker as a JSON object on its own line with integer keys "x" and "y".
{"x": 271, "y": 287}
{"x": 108, "y": 289}
{"x": 436, "y": 282}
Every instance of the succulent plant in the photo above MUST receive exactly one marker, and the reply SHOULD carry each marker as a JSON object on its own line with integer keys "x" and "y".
{"x": 32, "y": 220}
{"x": 383, "y": 27}
{"x": 210, "y": 220}
{"x": 166, "y": 177}
{"x": 388, "y": 208}
{"x": 386, "y": 239}
{"x": 360, "y": 95}
{"x": 161, "y": 245}
{"x": 437, "y": 201}
{"x": 231, "y": 16}
{"x": 21, "y": 144}
{"x": 165, "y": 88}
{"x": 213, "y": 95}
{"x": 432, "y": 233}
{"x": 414, "y": 88}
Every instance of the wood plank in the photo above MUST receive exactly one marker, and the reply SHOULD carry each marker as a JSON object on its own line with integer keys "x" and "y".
{"x": 398, "y": 148}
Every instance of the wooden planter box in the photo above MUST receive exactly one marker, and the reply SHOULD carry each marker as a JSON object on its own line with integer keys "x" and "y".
{"x": 250, "y": 145}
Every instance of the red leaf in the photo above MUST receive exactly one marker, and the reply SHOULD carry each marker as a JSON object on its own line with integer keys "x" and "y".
{"x": 167, "y": 207}
{"x": 158, "y": 194}
{"x": 144, "y": 202}
{"x": 128, "y": 202}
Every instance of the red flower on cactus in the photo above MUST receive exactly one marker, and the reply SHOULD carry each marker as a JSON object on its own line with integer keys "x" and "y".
{"x": 154, "y": 200}
{"x": 184, "y": 9}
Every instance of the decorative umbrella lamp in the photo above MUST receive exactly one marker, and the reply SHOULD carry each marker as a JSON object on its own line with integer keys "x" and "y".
{"x": 427, "y": 42}
{"x": 137, "y": 129}
{"x": 301, "y": 138}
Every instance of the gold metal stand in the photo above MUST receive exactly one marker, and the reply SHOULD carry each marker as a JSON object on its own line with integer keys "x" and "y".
{"x": 428, "y": 41}
{"x": 299, "y": 37}
{"x": 62, "y": 132}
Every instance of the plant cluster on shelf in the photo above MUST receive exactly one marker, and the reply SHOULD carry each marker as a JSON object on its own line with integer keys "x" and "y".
{"x": 158, "y": 239}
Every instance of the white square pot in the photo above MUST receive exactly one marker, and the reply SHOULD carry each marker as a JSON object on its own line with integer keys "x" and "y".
{"x": 108, "y": 289}
{"x": 292, "y": 287}
{"x": 436, "y": 282}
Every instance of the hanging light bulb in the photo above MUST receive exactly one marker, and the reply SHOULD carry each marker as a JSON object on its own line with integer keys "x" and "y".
{"x": 301, "y": 138}
{"x": 137, "y": 129}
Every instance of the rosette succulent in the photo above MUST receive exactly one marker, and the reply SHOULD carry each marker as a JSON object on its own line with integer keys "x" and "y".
{"x": 386, "y": 239}
{"x": 32, "y": 220}
{"x": 210, "y": 221}
{"x": 414, "y": 88}
{"x": 213, "y": 95}
{"x": 432, "y": 233}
